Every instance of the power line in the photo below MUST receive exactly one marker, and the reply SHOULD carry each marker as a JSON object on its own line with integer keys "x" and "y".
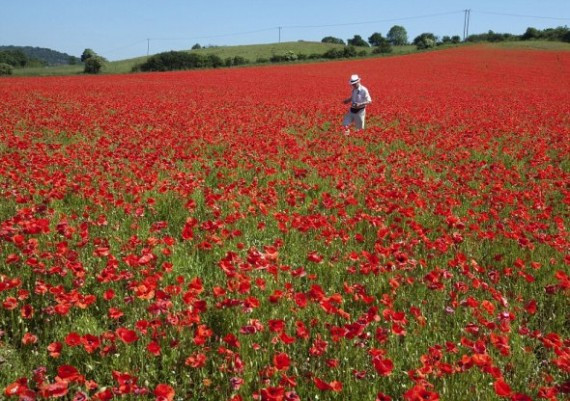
{"x": 123, "y": 47}
{"x": 466, "y": 20}
{"x": 523, "y": 16}
{"x": 373, "y": 22}
{"x": 217, "y": 36}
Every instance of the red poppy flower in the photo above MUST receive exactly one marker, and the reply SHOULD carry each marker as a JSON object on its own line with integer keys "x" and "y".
{"x": 164, "y": 392}
{"x": 383, "y": 366}
{"x": 502, "y": 389}
{"x": 272, "y": 394}
{"x": 281, "y": 361}
{"x": 126, "y": 335}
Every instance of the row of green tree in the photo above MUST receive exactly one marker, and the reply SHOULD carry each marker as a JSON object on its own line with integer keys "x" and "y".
{"x": 398, "y": 36}
{"x": 10, "y": 59}
{"x": 46, "y": 56}
{"x": 559, "y": 34}
{"x": 182, "y": 60}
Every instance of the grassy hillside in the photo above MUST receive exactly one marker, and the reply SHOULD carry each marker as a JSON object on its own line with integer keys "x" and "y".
{"x": 249, "y": 52}
{"x": 533, "y": 45}
{"x": 254, "y": 52}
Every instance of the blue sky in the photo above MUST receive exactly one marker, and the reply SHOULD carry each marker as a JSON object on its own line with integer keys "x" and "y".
{"x": 119, "y": 29}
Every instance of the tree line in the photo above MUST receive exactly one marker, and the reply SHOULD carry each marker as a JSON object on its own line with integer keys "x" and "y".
{"x": 10, "y": 59}
{"x": 398, "y": 36}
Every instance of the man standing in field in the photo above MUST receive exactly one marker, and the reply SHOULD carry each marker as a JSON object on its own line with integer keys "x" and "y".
{"x": 359, "y": 99}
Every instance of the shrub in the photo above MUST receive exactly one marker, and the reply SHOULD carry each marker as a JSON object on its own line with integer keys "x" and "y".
{"x": 331, "y": 39}
{"x": 350, "y": 51}
{"x": 214, "y": 60}
{"x": 491, "y": 37}
{"x": 262, "y": 60}
{"x": 425, "y": 41}
{"x": 358, "y": 41}
{"x": 93, "y": 65}
{"x": 239, "y": 60}
{"x": 15, "y": 58}
{"x": 346, "y": 52}
{"x": 87, "y": 54}
{"x": 173, "y": 60}
{"x": 375, "y": 39}
{"x": 531, "y": 33}
{"x": 383, "y": 47}
{"x": 5, "y": 69}
{"x": 333, "y": 53}
{"x": 289, "y": 55}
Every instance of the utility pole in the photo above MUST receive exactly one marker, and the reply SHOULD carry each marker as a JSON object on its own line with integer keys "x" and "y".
{"x": 466, "y": 18}
{"x": 147, "y": 46}
{"x": 279, "y": 34}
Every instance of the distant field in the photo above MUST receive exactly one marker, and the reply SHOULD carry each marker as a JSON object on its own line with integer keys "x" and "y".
{"x": 532, "y": 44}
{"x": 254, "y": 52}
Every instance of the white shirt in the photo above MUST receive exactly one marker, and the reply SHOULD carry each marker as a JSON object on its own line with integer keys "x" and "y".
{"x": 360, "y": 95}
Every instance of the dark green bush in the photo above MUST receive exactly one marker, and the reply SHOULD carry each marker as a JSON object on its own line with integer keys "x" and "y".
{"x": 425, "y": 41}
{"x": 357, "y": 41}
{"x": 93, "y": 65}
{"x": 332, "y": 39}
{"x": 174, "y": 60}
{"x": 214, "y": 61}
{"x": 289, "y": 55}
{"x": 383, "y": 48}
{"x": 333, "y": 53}
{"x": 239, "y": 60}
{"x": 15, "y": 58}
{"x": 350, "y": 51}
{"x": 5, "y": 69}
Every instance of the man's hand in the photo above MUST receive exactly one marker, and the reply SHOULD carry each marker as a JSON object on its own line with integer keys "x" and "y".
{"x": 346, "y": 101}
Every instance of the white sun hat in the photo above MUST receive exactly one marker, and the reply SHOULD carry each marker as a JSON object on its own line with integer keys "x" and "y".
{"x": 354, "y": 79}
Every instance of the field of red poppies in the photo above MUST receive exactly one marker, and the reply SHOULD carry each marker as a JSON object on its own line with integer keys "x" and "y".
{"x": 212, "y": 235}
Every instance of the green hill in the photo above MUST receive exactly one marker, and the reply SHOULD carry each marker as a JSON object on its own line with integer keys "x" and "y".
{"x": 255, "y": 52}
{"x": 252, "y": 53}
{"x": 48, "y": 56}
